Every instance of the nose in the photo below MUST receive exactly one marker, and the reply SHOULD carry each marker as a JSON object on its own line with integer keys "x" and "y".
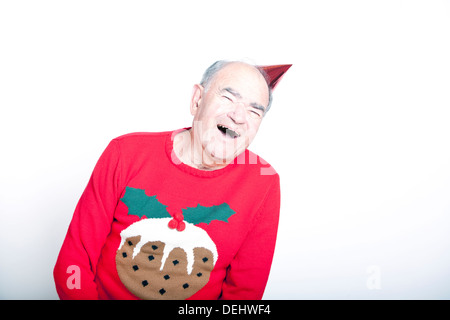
{"x": 238, "y": 113}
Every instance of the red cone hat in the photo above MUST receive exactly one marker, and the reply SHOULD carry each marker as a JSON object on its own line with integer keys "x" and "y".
{"x": 275, "y": 73}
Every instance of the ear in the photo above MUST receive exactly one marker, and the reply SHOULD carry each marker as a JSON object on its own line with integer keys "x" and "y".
{"x": 197, "y": 94}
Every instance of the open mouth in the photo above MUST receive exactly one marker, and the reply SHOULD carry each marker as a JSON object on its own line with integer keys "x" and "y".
{"x": 227, "y": 132}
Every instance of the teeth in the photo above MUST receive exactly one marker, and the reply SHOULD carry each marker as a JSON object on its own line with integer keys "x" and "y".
{"x": 222, "y": 128}
{"x": 227, "y": 131}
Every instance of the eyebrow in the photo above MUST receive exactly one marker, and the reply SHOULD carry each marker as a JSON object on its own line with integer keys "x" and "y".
{"x": 258, "y": 106}
{"x": 239, "y": 96}
{"x": 233, "y": 92}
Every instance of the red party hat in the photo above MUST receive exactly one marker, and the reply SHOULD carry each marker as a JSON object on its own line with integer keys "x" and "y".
{"x": 275, "y": 73}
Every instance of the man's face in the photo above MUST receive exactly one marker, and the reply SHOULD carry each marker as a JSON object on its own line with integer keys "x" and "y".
{"x": 228, "y": 113}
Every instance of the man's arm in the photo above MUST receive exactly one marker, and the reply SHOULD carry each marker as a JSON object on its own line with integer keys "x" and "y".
{"x": 248, "y": 273}
{"x": 75, "y": 268}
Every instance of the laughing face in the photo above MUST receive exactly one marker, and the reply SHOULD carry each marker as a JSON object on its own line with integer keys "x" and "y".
{"x": 228, "y": 112}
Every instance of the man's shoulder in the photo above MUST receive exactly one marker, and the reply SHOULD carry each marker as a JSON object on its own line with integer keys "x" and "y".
{"x": 141, "y": 142}
{"x": 135, "y": 136}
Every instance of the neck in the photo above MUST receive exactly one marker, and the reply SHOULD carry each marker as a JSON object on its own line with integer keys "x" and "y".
{"x": 191, "y": 153}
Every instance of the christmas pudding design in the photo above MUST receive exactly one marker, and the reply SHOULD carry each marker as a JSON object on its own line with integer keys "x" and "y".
{"x": 165, "y": 257}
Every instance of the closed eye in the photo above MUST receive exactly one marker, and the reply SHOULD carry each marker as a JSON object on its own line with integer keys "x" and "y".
{"x": 256, "y": 113}
{"x": 257, "y": 109}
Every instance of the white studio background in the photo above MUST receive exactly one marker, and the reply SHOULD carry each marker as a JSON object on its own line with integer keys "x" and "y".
{"x": 359, "y": 130}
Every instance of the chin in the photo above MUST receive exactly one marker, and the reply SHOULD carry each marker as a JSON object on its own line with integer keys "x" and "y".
{"x": 223, "y": 150}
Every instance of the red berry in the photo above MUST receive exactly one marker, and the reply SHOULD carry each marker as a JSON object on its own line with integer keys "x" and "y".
{"x": 173, "y": 224}
{"x": 181, "y": 226}
{"x": 178, "y": 216}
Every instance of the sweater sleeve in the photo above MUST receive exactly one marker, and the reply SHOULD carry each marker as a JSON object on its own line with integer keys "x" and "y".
{"x": 75, "y": 269}
{"x": 248, "y": 273}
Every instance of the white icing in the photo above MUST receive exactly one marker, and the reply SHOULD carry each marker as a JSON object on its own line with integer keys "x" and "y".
{"x": 158, "y": 230}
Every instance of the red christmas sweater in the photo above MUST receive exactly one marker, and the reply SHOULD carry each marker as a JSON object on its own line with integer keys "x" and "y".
{"x": 148, "y": 226}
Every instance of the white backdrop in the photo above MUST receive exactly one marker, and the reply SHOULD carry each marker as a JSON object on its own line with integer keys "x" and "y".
{"x": 359, "y": 130}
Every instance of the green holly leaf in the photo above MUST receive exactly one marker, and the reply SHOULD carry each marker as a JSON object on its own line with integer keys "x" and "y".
{"x": 201, "y": 214}
{"x": 139, "y": 204}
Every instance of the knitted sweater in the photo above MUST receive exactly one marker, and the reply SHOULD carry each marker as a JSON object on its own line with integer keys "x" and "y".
{"x": 148, "y": 226}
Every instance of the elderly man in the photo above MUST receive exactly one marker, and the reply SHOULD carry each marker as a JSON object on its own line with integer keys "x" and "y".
{"x": 188, "y": 214}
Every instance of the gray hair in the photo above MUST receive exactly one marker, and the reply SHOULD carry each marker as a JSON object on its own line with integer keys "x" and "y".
{"x": 219, "y": 65}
